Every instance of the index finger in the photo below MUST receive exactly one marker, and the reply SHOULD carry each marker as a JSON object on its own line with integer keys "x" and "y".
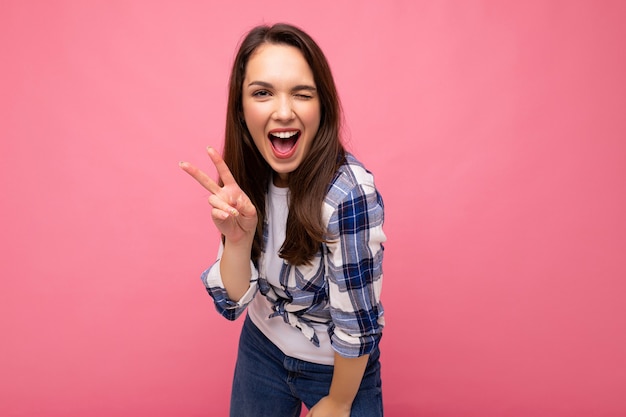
{"x": 204, "y": 180}
{"x": 222, "y": 168}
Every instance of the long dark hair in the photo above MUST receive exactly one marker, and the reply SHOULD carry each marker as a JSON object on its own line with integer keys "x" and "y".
{"x": 309, "y": 183}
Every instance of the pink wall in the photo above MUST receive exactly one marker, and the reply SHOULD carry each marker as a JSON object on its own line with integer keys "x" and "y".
{"x": 497, "y": 132}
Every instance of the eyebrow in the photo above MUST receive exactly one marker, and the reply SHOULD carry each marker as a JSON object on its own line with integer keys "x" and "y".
{"x": 299, "y": 87}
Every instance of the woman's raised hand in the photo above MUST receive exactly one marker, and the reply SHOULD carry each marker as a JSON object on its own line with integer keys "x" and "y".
{"x": 233, "y": 213}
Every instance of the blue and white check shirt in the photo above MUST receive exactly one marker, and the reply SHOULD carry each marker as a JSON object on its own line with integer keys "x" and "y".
{"x": 342, "y": 285}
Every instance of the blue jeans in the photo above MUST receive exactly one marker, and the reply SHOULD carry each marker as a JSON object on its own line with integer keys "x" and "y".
{"x": 269, "y": 383}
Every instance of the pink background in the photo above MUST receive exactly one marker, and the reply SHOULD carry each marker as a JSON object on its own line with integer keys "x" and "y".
{"x": 496, "y": 130}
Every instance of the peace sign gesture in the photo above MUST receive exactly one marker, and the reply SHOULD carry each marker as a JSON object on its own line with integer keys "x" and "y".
{"x": 233, "y": 213}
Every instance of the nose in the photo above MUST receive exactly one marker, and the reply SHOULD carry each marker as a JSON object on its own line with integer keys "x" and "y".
{"x": 284, "y": 109}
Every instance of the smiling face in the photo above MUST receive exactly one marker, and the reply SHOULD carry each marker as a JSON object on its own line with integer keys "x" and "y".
{"x": 281, "y": 107}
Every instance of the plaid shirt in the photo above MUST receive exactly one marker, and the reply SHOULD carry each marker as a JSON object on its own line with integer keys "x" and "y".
{"x": 342, "y": 285}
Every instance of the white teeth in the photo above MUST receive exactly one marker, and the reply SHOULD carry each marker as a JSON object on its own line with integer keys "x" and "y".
{"x": 284, "y": 135}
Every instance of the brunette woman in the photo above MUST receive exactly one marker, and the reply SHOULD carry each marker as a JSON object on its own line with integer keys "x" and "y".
{"x": 302, "y": 240}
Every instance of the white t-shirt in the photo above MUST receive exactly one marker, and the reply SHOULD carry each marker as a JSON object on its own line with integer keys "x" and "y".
{"x": 288, "y": 339}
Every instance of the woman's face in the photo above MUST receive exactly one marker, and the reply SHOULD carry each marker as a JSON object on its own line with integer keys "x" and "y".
{"x": 281, "y": 107}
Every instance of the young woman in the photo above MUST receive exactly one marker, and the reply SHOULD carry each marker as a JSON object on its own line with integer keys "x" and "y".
{"x": 301, "y": 224}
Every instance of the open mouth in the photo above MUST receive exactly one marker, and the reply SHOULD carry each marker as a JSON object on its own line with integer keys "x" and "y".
{"x": 284, "y": 142}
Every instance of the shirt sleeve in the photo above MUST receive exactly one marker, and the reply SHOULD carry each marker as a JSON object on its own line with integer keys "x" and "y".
{"x": 355, "y": 275}
{"x": 212, "y": 280}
